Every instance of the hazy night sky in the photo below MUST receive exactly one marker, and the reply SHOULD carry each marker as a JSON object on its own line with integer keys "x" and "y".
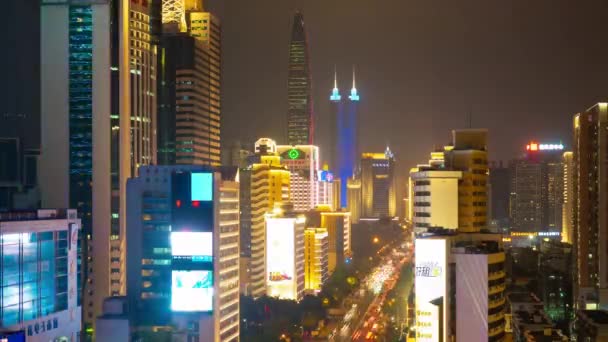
{"x": 523, "y": 68}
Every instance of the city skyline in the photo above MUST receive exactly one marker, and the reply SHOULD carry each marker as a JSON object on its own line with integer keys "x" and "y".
{"x": 192, "y": 191}
{"x": 429, "y": 70}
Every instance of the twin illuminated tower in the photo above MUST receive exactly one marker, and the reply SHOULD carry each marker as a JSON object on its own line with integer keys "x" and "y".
{"x": 344, "y": 136}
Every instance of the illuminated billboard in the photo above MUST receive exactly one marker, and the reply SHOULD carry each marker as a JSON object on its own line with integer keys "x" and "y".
{"x": 192, "y": 291}
{"x": 201, "y": 186}
{"x": 325, "y": 176}
{"x": 192, "y": 244}
{"x": 280, "y": 257}
{"x": 430, "y": 283}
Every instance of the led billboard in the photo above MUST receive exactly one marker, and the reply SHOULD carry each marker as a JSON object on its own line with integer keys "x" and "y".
{"x": 201, "y": 186}
{"x": 195, "y": 244}
{"x": 430, "y": 284}
{"x": 280, "y": 257}
{"x": 192, "y": 291}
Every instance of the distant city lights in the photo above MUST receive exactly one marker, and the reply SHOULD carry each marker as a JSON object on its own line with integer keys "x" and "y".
{"x": 532, "y": 146}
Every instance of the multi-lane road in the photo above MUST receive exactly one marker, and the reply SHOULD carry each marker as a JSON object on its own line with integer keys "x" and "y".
{"x": 364, "y": 320}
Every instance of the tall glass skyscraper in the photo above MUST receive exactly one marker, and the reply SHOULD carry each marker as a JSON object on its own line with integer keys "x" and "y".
{"x": 75, "y": 128}
{"x": 300, "y": 118}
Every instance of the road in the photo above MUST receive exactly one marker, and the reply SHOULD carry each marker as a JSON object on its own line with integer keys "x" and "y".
{"x": 371, "y": 327}
{"x": 363, "y": 320}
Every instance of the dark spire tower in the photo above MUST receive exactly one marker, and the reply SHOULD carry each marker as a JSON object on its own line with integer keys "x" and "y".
{"x": 347, "y": 134}
{"x": 300, "y": 119}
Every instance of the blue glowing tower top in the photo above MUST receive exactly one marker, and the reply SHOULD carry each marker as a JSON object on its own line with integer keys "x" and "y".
{"x": 353, "y": 92}
{"x": 335, "y": 93}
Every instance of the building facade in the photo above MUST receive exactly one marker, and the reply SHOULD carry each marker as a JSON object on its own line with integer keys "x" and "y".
{"x": 300, "y": 117}
{"x": 269, "y": 184}
{"x": 435, "y": 198}
{"x": 353, "y": 203}
{"x": 183, "y": 265}
{"x": 378, "y": 185}
{"x": 285, "y": 253}
{"x": 40, "y": 272}
{"x": 568, "y": 198}
{"x": 590, "y": 201}
{"x": 76, "y": 145}
{"x": 468, "y": 153}
{"x": 302, "y": 161}
{"x": 537, "y": 189}
{"x": 459, "y": 286}
{"x": 316, "y": 249}
{"x": 189, "y": 90}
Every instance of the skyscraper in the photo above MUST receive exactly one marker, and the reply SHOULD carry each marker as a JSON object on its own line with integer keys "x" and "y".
{"x": 300, "y": 118}
{"x": 538, "y": 189}
{"x": 468, "y": 153}
{"x": 344, "y": 136}
{"x": 302, "y": 161}
{"x": 75, "y": 130}
{"x": 378, "y": 188}
{"x": 590, "y": 201}
{"x": 268, "y": 184}
{"x": 189, "y": 87}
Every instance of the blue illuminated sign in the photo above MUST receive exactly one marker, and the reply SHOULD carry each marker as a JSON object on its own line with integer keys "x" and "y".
{"x": 326, "y": 176}
{"x": 202, "y": 186}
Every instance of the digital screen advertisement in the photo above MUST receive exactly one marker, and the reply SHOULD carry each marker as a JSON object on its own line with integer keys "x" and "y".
{"x": 192, "y": 291}
{"x": 192, "y": 244}
{"x": 280, "y": 257}
{"x": 201, "y": 186}
{"x": 430, "y": 283}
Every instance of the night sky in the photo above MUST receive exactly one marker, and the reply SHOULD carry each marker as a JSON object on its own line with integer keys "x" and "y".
{"x": 522, "y": 68}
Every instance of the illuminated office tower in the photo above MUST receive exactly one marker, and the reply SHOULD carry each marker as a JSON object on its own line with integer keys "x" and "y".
{"x": 338, "y": 226}
{"x": 354, "y": 198}
{"x": 183, "y": 260}
{"x": 348, "y": 140}
{"x": 40, "y": 274}
{"x": 302, "y": 161}
{"x": 315, "y": 258}
{"x": 468, "y": 153}
{"x": 538, "y": 189}
{"x": 189, "y": 87}
{"x": 568, "y": 198}
{"x": 378, "y": 185}
{"x": 285, "y": 253}
{"x": 266, "y": 184}
{"x": 435, "y": 198}
{"x": 459, "y": 287}
{"x": 300, "y": 117}
{"x": 590, "y": 201}
{"x": 76, "y": 134}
